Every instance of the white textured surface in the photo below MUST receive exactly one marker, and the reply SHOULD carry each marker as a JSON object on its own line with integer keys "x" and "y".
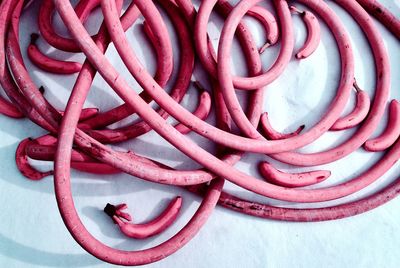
{"x": 33, "y": 235}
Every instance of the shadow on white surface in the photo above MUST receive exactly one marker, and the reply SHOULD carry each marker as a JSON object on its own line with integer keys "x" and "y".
{"x": 12, "y": 249}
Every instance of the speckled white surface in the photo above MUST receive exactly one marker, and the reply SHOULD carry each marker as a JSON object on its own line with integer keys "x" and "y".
{"x": 33, "y": 235}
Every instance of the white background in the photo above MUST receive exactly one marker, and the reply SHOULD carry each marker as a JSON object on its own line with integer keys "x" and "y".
{"x": 33, "y": 235}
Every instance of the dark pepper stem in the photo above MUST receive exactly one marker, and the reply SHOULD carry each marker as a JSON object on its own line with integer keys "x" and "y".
{"x": 110, "y": 210}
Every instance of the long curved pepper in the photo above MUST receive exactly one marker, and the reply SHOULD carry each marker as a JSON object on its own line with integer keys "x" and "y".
{"x": 202, "y": 111}
{"x": 272, "y": 134}
{"x": 46, "y": 140}
{"x": 359, "y": 113}
{"x": 23, "y": 165}
{"x": 383, "y": 15}
{"x": 79, "y": 161}
{"x": 48, "y": 64}
{"x": 45, "y": 19}
{"x": 44, "y": 149}
{"x": 268, "y": 21}
{"x": 391, "y": 133}
{"x": 313, "y": 33}
{"x": 84, "y": 8}
{"x": 310, "y": 214}
{"x": 259, "y": 13}
{"x": 7, "y": 108}
{"x": 151, "y": 228}
{"x": 86, "y": 113}
{"x": 95, "y": 168}
{"x": 292, "y": 180}
{"x": 41, "y": 152}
